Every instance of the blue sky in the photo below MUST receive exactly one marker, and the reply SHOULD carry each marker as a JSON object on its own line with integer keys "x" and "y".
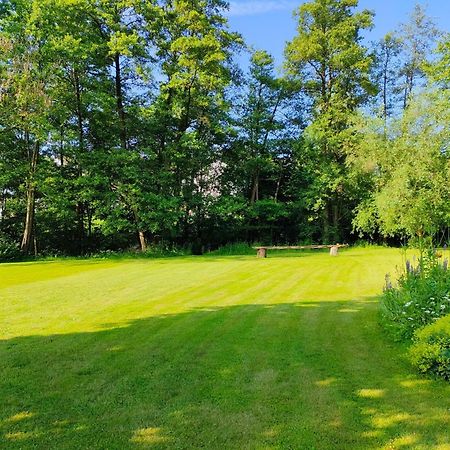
{"x": 268, "y": 24}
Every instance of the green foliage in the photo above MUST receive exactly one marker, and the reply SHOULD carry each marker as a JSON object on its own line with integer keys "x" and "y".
{"x": 9, "y": 251}
{"x": 430, "y": 352}
{"x": 418, "y": 37}
{"x": 408, "y": 163}
{"x": 238, "y": 248}
{"x": 421, "y": 297}
{"x": 128, "y": 122}
{"x": 153, "y": 251}
{"x": 332, "y": 65}
{"x": 328, "y": 54}
{"x": 439, "y": 71}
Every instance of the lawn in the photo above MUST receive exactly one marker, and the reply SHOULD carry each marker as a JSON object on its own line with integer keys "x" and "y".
{"x": 209, "y": 352}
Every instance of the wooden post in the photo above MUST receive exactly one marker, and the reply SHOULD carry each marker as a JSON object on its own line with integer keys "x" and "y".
{"x": 334, "y": 250}
{"x": 262, "y": 252}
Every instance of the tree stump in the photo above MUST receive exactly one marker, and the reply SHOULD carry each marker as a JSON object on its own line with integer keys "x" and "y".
{"x": 262, "y": 252}
{"x": 334, "y": 250}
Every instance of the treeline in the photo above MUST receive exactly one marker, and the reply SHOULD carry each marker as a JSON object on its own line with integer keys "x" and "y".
{"x": 128, "y": 123}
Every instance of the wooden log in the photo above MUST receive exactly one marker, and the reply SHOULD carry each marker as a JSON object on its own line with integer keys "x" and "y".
{"x": 334, "y": 249}
{"x": 302, "y": 247}
{"x": 262, "y": 252}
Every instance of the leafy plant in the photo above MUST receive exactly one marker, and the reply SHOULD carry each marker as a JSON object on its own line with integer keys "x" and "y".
{"x": 238, "y": 248}
{"x": 9, "y": 250}
{"x": 431, "y": 350}
{"x": 421, "y": 297}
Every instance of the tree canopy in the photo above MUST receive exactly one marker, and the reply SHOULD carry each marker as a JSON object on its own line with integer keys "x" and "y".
{"x": 129, "y": 123}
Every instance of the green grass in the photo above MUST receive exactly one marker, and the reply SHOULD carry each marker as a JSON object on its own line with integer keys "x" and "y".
{"x": 209, "y": 352}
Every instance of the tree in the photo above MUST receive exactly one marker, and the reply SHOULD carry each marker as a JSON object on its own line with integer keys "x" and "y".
{"x": 333, "y": 66}
{"x": 438, "y": 71}
{"x": 387, "y": 74}
{"x": 27, "y": 77}
{"x": 186, "y": 120}
{"x": 410, "y": 167}
{"x": 256, "y": 158}
{"x": 418, "y": 36}
{"x": 127, "y": 122}
{"x": 261, "y": 127}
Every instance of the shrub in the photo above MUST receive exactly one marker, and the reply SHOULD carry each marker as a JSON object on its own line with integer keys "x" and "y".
{"x": 9, "y": 250}
{"x": 421, "y": 297}
{"x": 161, "y": 250}
{"x": 430, "y": 352}
{"x": 238, "y": 248}
{"x": 165, "y": 250}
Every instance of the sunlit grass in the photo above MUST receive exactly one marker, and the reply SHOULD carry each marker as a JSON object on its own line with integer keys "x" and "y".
{"x": 209, "y": 352}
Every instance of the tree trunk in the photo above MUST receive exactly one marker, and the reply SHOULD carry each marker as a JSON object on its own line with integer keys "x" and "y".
{"x": 142, "y": 241}
{"x": 89, "y": 220}
{"x": 27, "y": 239}
{"x": 277, "y": 189}
{"x": 385, "y": 94}
{"x": 3, "y": 206}
{"x": 81, "y": 229}
{"x": 119, "y": 101}
{"x": 336, "y": 220}
{"x": 408, "y": 89}
{"x": 80, "y": 208}
{"x": 325, "y": 225}
{"x": 79, "y": 112}
{"x": 140, "y": 231}
{"x": 123, "y": 133}
{"x": 255, "y": 190}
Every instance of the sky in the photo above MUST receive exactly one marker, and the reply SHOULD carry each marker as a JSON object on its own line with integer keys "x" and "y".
{"x": 268, "y": 24}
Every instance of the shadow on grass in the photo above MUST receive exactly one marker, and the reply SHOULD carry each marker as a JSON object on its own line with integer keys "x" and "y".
{"x": 308, "y": 375}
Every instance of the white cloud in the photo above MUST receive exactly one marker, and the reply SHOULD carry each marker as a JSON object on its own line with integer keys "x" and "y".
{"x": 253, "y": 7}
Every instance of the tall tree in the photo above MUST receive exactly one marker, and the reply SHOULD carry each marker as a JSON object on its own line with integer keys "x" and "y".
{"x": 194, "y": 49}
{"x": 256, "y": 159}
{"x": 260, "y": 126}
{"x": 387, "y": 74}
{"x": 438, "y": 71}
{"x": 410, "y": 168}
{"x": 418, "y": 37}
{"x": 328, "y": 58}
{"x": 25, "y": 96}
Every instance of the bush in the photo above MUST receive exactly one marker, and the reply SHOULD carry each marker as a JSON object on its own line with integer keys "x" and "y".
{"x": 421, "y": 297}
{"x": 165, "y": 250}
{"x": 161, "y": 250}
{"x": 239, "y": 248}
{"x": 9, "y": 251}
{"x": 430, "y": 352}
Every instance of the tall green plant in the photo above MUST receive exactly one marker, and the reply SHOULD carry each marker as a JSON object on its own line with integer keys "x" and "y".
{"x": 327, "y": 56}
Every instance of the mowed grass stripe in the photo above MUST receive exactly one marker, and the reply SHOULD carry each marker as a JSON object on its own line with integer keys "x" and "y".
{"x": 216, "y": 353}
{"x": 126, "y": 292}
{"x": 171, "y": 291}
